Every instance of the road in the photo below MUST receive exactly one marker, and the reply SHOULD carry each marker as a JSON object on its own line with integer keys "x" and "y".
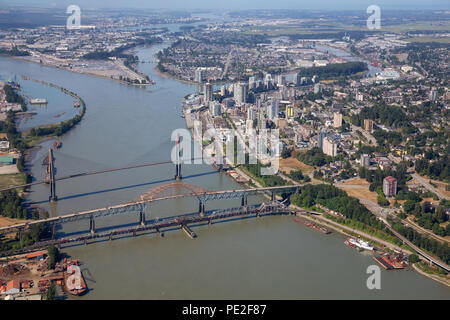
{"x": 422, "y": 181}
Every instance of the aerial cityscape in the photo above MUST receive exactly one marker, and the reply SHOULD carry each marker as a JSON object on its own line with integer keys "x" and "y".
{"x": 253, "y": 151}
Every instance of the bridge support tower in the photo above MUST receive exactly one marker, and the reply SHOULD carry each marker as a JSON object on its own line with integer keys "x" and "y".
{"x": 178, "y": 175}
{"x": 92, "y": 225}
{"x": 201, "y": 209}
{"x": 51, "y": 176}
{"x": 142, "y": 218}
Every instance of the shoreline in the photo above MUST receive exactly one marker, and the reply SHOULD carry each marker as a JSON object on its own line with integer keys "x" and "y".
{"x": 431, "y": 276}
{"x": 151, "y": 83}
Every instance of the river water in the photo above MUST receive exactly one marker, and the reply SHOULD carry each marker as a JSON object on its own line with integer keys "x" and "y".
{"x": 264, "y": 258}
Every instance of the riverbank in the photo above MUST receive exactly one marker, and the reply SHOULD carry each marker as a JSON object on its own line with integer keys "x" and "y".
{"x": 90, "y": 73}
{"x": 435, "y": 277}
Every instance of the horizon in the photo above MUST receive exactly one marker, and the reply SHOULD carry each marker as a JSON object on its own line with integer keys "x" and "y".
{"x": 236, "y": 5}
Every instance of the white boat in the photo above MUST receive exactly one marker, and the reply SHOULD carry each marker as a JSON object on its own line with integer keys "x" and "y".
{"x": 38, "y": 101}
{"x": 360, "y": 244}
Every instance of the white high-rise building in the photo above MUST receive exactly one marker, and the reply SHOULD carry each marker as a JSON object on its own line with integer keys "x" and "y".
{"x": 251, "y": 113}
{"x": 273, "y": 109}
{"x": 215, "y": 108}
{"x": 251, "y": 83}
{"x": 198, "y": 75}
{"x": 329, "y": 147}
{"x": 240, "y": 92}
{"x": 208, "y": 92}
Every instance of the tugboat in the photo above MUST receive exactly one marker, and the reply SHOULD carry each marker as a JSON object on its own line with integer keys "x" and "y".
{"x": 57, "y": 144}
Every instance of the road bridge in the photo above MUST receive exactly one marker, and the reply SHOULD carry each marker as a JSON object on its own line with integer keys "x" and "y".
{"x": 139, "y": 205}
{"x": 158, "y": 225}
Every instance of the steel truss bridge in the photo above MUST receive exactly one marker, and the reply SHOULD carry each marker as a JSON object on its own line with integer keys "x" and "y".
{"x": 139, "y": 206}
{"x": 156, "y": 225}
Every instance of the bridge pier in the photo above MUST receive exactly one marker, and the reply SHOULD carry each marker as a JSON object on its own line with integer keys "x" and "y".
{"x": 54, "y": 231}
{"x": 272, "y": 197}
{"x": 92, "y": 225}
{"x": 178, "y": 175}
{"x": 201, "y": 209}
{"x": 244, "y": 202}
{"x": 110, "y": 236}
{"x": 51, "y": 176}
{"x": 85, "y": 241}
{"x": 142, "y": 218}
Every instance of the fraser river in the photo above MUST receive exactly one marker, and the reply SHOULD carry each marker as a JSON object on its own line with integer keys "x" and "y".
{"x": 265, "y": 258}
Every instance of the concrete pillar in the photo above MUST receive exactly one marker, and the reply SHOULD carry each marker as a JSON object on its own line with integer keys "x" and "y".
{"x": 178, "y": 175}
{"x": 142, "y": 218}
{"x": 201, "y": 209}
{"x": 51, "y": 172}
{"x": 92, "y": 225}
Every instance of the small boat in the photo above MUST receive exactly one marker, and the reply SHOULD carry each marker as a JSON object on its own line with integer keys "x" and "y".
{"x": 38, "y": 101}
{"x": 76, "y": 104}
{"x": 57, "y": 144}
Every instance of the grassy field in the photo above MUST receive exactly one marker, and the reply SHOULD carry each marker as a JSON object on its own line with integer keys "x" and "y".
{"x": 7, "y": 180}
{"x": 291, "y": 29}
{"x": 292, "y": 163}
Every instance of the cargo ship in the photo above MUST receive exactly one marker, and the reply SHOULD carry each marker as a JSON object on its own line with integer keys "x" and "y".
{"x": 74, "y": 281}
{"x": 312, "y": 225}
{"x": 359, "y": 244}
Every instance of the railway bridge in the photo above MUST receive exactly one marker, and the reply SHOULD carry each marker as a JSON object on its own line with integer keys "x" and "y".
{"x": 139, "y": 206}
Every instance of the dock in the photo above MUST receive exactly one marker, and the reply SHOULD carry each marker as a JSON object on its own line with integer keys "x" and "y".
{"x": 390, "y": 263}
{"x": 191, "y": 234}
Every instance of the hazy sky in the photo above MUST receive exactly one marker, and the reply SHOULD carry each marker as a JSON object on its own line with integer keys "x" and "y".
{"x": 242, "y": 4}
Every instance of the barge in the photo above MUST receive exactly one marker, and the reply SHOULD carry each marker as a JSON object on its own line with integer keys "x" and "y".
{"x": 312, "y": 225}
{"x": 74, "y": 281}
